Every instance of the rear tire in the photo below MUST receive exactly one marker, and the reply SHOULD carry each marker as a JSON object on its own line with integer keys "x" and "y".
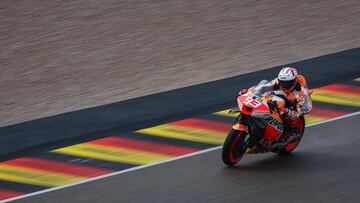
{"x": 234, "y": 147}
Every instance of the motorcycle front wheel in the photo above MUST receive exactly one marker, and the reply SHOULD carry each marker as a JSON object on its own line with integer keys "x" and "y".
{"x": 234, "y": 147}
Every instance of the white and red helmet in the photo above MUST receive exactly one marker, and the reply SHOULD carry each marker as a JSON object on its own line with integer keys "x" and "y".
{"x": 287, "y": 78}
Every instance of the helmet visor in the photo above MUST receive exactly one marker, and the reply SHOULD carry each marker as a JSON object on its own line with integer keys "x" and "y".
{"x": 286, "y": 85}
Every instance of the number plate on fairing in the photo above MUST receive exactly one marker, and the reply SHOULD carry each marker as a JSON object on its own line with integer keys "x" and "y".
{"x": 251, "y": 102}
{"x": 256, "y": 107}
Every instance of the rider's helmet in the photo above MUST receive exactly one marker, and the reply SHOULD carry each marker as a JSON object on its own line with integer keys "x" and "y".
{"x": 287, "y": 78}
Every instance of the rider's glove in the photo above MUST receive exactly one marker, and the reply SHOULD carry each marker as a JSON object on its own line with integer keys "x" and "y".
{"x": 283, "y": 110}
{"x": 243, "y": 91}
{"x": 293, "y": 114}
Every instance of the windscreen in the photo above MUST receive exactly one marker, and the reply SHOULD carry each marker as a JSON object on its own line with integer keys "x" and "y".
{"x": 260, "y": 88}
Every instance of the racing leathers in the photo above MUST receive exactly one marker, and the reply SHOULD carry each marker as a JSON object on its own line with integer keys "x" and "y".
{"x": 297, "y": 102}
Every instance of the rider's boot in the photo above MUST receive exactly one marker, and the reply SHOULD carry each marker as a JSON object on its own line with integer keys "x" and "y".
{"x": 252, "y": 150}
{"x": 291, "y": 130}
{"x": 294, "y": 132}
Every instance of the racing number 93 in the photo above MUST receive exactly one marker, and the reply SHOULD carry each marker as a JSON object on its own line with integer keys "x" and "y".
{"x": 252, "y": 102}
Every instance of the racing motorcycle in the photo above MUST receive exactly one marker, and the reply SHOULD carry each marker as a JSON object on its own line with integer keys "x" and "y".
{"x": 259, "y": 128}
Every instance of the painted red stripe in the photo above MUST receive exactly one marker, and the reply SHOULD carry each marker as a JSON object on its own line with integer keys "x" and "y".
{"x": 144, "y": 146}
{"x": 5, "y": 194}
{"x": 341, "y": 88}
{"x": 328, "y": 113}
{"x": 57, "y": 167}
{"x": 203, "y": 124}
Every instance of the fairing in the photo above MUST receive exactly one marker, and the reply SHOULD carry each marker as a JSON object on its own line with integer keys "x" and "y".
{"x": 256, "y": 105}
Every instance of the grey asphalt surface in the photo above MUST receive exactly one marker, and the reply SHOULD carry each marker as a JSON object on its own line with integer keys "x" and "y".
{"x": 325, "y": 168}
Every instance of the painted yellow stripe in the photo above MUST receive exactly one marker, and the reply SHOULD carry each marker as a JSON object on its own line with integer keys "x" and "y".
{"x": 195, "y": 135}
{"x": 225, "y": 113}
{"x": 341, "y": 98}
{"x": 357, "y": 79}
{"x": 313, "y": 119}
{"x": 35, "y": 177}
{"x": 112, "y": 154}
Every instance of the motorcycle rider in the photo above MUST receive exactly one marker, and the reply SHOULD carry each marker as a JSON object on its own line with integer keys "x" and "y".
{"x": 292, "y": 87}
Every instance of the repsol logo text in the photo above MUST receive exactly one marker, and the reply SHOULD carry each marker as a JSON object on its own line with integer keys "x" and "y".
{"x": 272, "y": 121}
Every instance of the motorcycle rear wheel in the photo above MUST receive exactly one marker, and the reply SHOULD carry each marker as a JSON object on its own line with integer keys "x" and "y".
{"x": 234, "y": 147}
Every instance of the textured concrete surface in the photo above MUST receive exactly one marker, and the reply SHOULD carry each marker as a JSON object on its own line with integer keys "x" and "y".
{"x": 59, "y": 56}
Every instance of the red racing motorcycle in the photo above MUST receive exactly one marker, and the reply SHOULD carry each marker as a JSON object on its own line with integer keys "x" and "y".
{"x": 259, "y": 128}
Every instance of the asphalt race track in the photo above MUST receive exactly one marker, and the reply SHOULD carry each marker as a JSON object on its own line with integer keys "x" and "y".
{"x": 323, "y": 169}
{"x": 326, "y": 161}
{"x": 131, "y": 88}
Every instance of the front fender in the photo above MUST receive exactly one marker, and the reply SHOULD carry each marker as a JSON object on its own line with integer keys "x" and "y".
{"x": 240, "y": 127}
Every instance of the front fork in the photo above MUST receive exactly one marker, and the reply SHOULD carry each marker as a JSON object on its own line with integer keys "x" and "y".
{"x": 242, "y": 128}
{"x": 238, "y": 125}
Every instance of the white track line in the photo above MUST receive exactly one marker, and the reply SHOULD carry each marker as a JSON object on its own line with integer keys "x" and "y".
{"x": 153, "y": 164}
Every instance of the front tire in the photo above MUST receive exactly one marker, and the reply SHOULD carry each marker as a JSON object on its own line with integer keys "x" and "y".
{"x": 234, "y": 147}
